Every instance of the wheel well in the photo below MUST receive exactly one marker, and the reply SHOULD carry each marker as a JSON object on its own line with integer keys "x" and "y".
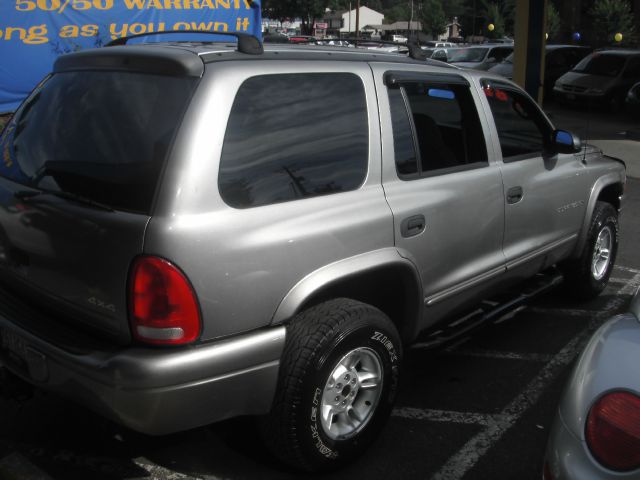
{"x": 611, "y": 194}
{"x": 392, "y": 289}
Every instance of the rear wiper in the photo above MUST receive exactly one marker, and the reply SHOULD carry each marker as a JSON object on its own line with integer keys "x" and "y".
{"x": 27, "y": 194}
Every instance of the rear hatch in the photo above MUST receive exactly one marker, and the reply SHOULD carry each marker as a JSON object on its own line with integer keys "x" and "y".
{"x": 80, "y": 163}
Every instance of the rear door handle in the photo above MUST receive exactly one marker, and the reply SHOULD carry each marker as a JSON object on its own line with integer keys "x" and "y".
{"x": 413, "y": 226}
{"x": 514, "y": 195}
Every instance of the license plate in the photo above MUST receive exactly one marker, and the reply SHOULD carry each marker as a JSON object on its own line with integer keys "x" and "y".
{"x": 571, "y": 96}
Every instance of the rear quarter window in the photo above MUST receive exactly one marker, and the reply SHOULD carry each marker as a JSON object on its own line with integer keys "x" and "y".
{"x": 99, "y": 134}
{"x": 294, "y": 136}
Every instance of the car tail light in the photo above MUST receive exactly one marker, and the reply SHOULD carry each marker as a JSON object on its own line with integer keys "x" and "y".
{"x": 613, "y": 431}
{"x": 163, "y": 309}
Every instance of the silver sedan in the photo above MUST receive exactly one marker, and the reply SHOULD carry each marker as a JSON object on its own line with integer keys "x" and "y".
{"x": 596, "y": 433}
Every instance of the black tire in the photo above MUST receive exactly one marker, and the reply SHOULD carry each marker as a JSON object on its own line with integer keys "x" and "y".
{"x": 580, "y": 278}
{"x": 318, "y": 341}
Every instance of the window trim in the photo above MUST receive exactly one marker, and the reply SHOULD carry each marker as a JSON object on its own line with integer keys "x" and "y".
{"x": 365, "y": 174}
{"x": 397, "y": 80}
{"x": 545, "y": 141}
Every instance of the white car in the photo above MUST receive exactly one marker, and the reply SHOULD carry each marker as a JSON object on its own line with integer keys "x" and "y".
{"x": 596, "y": 433}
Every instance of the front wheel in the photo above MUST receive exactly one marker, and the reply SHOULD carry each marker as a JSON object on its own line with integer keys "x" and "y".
{"x": 588, "y": 275}
{"x": 337, "y": 384}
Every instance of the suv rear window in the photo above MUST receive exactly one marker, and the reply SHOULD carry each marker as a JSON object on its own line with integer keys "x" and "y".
{"x": 100, "y": 135}
{"x": 294, "y": 136}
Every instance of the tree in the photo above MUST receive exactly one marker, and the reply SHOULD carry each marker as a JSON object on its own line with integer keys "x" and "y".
{"x": 611, "y": 17}
{"x": 493, "y": 15}
{"x": 553, "y": 21}
{"x": 501, "y": 13}
{"x": 433, "y": 18}
{"x": 307, "y": 10}
{"x": 400, "y": 11}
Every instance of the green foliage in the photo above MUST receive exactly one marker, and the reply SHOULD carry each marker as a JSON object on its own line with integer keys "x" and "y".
{"x": 433, "y": 18}
{"x": 306, "y": 10}
{"x": 493, "y": 15}
{"x": 501, "y": 13}
{"x": 400, "y": 11}
{"x": 553, "y": 22}
{"x": 611, "y": 17}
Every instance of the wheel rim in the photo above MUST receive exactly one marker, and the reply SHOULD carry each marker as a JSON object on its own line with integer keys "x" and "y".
{"x": 602, "y": 253}
{"x": 351, "y": 393}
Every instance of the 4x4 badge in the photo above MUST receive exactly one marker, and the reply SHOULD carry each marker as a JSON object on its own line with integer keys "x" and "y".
{"x": 99, "y": 303}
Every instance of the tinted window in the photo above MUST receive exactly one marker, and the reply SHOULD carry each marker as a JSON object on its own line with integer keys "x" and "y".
{"x": 102, "y": 135}
{"x": 294, "y": 136}
{"x": 601, "y": 64}
{"x": 522, "y": 129}
{"x": 468, "y": 55}
{"x": 404, "y": 150}
{"x": 443, "y": 118}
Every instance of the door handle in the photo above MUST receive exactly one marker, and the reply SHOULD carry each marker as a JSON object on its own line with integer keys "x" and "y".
{"x": 413, "y": 226}
{"x": 514, "y": 195}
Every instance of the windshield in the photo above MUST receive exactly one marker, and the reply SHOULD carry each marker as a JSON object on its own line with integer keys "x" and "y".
{"x": 100, "y": 135}
{"x": 468, "y": 55}
{"x": 508, "y": 58}
{"x": 601, "y": 64}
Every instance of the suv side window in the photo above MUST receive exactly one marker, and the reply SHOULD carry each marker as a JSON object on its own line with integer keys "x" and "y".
{"x": 293, "y": 136}
{"x": 436, "y": 129}
{"x": 522, "y": 129}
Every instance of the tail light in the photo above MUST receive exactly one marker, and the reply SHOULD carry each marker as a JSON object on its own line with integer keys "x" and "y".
{"x": 163, "y": 309}
{"x": 613, "y": 431}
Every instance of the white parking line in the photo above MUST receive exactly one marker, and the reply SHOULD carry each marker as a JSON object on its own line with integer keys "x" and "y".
{"x": 564, "y": 312}
{"x": 626, "y": 269}
{"x": 447, "y": 416}
{"x": 498, "y": 355}
{"x": 466, "y": 458}
{"x": 479, "y": 445}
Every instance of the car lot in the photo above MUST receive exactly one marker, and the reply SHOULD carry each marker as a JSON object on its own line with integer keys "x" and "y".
{"x": 479, "y": 409}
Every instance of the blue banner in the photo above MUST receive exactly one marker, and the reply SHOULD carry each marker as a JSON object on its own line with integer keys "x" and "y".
{"x": 33, "y": 33}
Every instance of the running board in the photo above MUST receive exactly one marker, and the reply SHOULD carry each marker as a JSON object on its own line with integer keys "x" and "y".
{"x": 490, "y": 311}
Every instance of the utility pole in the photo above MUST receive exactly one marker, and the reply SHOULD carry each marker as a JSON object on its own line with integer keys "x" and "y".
{"x": 349, "y": 19}
{"x": 357, "y": 21}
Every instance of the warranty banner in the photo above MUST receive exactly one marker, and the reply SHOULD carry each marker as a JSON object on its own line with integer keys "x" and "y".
{"x": 33, "y": 33}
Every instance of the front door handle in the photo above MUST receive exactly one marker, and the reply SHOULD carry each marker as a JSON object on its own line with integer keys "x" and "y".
{"x": 413, "y": 226}
{"x": 514, "y": 195}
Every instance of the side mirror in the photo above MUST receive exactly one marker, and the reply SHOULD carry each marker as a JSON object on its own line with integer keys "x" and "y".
{"x": 566, "y": 142}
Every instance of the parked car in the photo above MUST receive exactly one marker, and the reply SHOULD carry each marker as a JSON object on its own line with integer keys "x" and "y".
{"x": 439, "y": 44}
{"x": 602, "y": 79}
{"x": 196, "y": 233}
{"x": 632, "y": 101}
{"x": 559, "y": 59}
{"x": 439, "y": 53}
{"x": 596, "y": 433}
{"x": 480, "y": 57}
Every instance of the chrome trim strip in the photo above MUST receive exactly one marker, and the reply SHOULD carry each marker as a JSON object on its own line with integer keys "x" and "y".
{"x": 451, "y": 291}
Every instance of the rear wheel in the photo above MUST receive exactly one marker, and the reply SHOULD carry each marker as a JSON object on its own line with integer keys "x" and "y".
{"x": 337, "y": 384}
{"x": 588, "y": 275}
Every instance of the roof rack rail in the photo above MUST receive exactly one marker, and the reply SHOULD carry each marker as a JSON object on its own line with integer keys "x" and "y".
{"x": 412, "y": 45}
{"x": 246, "y": 43}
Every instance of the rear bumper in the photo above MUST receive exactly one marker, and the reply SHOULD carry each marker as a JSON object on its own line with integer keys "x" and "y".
{"x": 154, "y": 391}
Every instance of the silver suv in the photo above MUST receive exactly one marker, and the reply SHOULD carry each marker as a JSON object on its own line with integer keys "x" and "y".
{"x": 194, "y": 231}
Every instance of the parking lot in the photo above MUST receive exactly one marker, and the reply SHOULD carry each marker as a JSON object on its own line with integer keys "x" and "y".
{"x": 480, "y": 408}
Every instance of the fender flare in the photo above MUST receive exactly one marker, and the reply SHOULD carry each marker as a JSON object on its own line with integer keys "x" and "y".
{"x": 612, "y": 178}
{"x": 352, "y": 269}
